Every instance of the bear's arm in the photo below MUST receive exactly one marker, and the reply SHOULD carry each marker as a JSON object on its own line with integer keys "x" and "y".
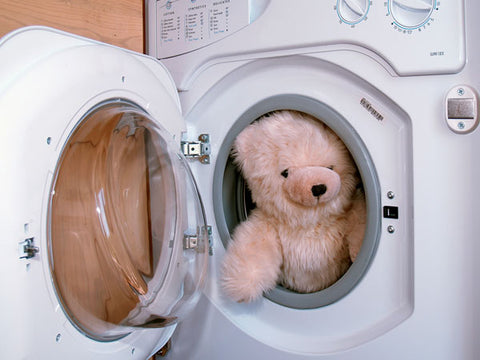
{"x": 253, "y": 259}
{"x": 357, "y": 218}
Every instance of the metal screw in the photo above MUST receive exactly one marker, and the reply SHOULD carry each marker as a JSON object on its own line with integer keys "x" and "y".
{"x": 133, "y": 351}
{"x": 390, "y": 229}
{"x": 461, "y": 91}
{"x": 123, "y": 79}
{"x": 461, "y": 125}
{"x": 49, "y": 140}
{"x": 391, "y": 195}
{"x": 204, "y": 137}
{"x": 205, "y": 159}
{"x": 58, "y": 337}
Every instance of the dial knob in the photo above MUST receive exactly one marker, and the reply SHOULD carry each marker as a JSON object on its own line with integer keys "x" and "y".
{"x": 411, "y": 14}
{"x": 352, "y": 11}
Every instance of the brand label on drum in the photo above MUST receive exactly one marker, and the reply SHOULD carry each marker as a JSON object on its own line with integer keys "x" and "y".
{"x": 367, "y": 105}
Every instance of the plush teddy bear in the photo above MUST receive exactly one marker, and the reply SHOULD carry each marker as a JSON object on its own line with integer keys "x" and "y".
{"x": 309, "y": 220}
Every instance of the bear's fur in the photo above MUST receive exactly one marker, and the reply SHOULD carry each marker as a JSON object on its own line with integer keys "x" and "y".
{"x": 309, "y": 220}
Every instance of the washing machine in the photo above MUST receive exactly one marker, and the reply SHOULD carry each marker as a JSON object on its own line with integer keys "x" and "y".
{"x": 120, "y": 195}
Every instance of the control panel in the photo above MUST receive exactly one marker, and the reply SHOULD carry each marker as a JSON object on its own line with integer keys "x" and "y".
{"x": 404, "y": 15}
{"x": 414, "y": 37}
{"x": 186, "y": 25}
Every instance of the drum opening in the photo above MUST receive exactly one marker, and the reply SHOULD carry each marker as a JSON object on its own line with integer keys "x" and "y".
{"x": 233, "y": 201}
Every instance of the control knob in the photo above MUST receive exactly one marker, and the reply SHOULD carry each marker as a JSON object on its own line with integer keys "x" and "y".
{"x": 411, "y": 14}
{"x": 352, "y": 11}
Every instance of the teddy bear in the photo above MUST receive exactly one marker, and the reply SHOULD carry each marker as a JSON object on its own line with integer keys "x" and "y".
{"x": 309, "y": 219}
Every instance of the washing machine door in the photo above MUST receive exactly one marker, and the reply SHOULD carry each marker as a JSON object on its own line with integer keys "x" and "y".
{"x": 111, "y": 214}
{"x": 126, "y": 233}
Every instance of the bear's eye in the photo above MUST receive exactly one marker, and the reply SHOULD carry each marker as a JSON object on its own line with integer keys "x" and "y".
{"x": 284, "y": 173}
{"x": 330, "y": 167}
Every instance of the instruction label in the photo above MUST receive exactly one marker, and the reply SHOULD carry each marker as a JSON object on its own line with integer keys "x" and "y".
{"x": 186, "y": 25}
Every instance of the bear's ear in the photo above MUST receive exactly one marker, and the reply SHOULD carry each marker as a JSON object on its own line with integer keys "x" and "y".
{"x": 255, "y": 150}
{"x": 245, "y": 145}
{"x": 251, "y": 147}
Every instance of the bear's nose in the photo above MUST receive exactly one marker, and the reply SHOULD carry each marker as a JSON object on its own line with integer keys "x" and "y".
{"x": 319, "y": 189}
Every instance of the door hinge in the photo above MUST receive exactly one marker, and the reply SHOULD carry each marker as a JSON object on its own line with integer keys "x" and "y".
{"x": 26, "y": 249}
{"x": 190, "y": 241}
{"x": 193, "y": 241}
{"x": 199, "y": 150}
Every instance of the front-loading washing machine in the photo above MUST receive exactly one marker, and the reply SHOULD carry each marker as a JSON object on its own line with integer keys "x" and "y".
{"x": 105, "y": 166}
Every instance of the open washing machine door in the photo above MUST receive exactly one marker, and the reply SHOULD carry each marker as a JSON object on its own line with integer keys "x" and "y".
{"x": 105, "y": 241}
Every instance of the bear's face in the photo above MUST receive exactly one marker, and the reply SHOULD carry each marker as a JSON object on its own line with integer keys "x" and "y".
{"x": 296, "y": 168}
{"x": 311, "y": 185}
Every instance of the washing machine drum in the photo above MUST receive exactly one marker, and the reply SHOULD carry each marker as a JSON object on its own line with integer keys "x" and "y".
{"x": 113, "y": 219}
